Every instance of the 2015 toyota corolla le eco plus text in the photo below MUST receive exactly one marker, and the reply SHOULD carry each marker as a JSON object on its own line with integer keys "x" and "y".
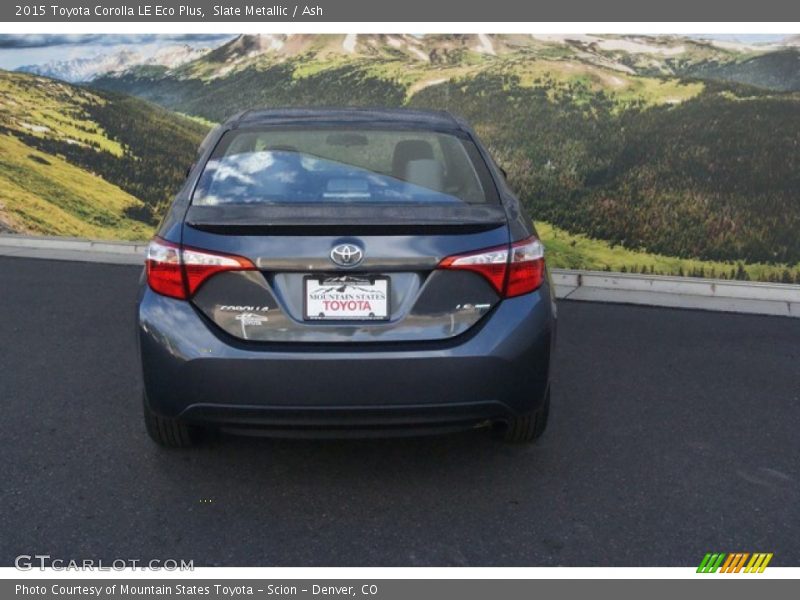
{"x": 345, "y": 272}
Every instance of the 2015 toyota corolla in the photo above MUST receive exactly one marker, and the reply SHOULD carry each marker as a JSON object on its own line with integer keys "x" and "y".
{"x": 345, "y": 272}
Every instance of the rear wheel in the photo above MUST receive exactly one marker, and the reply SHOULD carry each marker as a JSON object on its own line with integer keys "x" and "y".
{"x": 528, "y": 428}
{"x": 170, "y": 433}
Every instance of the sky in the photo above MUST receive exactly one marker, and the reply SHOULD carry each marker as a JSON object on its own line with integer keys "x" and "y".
{"x": 18, "y": 50}
{"x": 746, "y": 38}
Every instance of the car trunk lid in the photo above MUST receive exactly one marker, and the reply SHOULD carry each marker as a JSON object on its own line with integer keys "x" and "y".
{"x": 297, "y": 290}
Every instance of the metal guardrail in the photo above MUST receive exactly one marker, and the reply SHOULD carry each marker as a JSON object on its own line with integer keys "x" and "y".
{"x": 679, "y": 292}
{"x": 75, "y": 249}
{"x": 74, "y": 244}
{"x": 591, "y": 286}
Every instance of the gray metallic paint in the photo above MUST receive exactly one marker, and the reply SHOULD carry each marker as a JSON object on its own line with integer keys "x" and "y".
{"x": 195, "y": 370}
{"x": 503, "y": 361}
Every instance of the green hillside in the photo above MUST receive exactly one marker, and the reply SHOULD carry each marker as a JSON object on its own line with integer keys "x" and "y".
{"x": 577, "y": 251}
{"x": 714, "y": 177}
{"x": 774, "y": 71}
{"x": 601, "y": 136}
{"x": 43, "y": 194}
{"x": 85, "y": 162}
{"x": 659, "y": 154}
{"x": 278, "y": 85}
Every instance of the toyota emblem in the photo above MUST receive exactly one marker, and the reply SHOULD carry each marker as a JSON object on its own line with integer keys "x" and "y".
{"x": 347, "y": 255}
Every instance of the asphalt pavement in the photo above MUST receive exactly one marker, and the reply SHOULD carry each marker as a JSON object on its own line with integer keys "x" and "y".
{"x": 673, "y": 433}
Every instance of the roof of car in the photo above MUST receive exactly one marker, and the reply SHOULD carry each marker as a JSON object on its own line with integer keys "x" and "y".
{"x": 433, "y": 119}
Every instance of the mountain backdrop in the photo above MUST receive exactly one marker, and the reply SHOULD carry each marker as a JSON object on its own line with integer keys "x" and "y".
{"x": 86, "y": 68}
{"x": 88, "y": 163}
{"x": 639, "y": 153}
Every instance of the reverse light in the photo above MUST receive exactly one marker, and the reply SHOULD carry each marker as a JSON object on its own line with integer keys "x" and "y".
{"x": 164, "y": 273}
{"x": 510, "y": 271}
{"x": 178, "y": 272}
{"x": 525, "y": 267}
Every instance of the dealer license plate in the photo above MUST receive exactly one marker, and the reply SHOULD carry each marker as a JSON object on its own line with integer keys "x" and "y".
{"x": 346, "y": 298}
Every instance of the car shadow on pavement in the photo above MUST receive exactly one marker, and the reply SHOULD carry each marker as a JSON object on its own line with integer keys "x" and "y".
{"x": 424, "y": 460}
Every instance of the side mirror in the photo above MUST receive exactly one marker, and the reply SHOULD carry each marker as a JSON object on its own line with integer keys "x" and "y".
{"x": 503, "y": 171}
{"x": 188, "y": 170}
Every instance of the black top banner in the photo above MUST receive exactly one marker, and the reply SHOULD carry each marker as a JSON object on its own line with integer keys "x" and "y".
{"x": 443, "y": 11}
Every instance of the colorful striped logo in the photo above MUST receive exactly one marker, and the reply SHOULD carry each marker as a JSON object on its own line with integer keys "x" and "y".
{"x": 734, "y": 562}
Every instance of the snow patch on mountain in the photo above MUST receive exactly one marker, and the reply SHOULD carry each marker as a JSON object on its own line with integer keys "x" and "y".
{"x": 630, "y": 45}
{"x": 394, "y": 42}
{"x": 637, "y": 47}
{"x": 419, "y": 54}
{"x": 349, "y": 43}
{"x": 485, "y": 46}
{"x": 91, "y": 67}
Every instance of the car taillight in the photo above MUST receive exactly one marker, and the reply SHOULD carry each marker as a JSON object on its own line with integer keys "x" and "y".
{"x": 164, "y": 272}
{"x": 199, "y": 265}
{"x": 491, "y": 263}
{"x": 177, "y": 272}
{"x": 511, "y": 273}
{"x": 525, "y": 267}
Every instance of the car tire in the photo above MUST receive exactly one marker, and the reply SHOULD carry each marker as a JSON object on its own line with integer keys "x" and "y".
{"x": 520, "y": 430}
{"x": 169, "y": 433}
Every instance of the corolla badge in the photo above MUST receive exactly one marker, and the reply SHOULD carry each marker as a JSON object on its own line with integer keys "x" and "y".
{"x": 347, "y": 255}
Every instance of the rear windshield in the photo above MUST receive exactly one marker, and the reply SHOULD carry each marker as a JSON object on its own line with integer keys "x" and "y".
{"x": 285, "y": 166}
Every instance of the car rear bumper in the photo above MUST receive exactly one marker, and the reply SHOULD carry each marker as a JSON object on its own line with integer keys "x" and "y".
{"x": 499, "y": 369}
{"x": 346, "y": 421}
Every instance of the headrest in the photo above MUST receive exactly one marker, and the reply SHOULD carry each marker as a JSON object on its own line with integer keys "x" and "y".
{"x": 408, "y": 150}
{"x": 426, "y": 172}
